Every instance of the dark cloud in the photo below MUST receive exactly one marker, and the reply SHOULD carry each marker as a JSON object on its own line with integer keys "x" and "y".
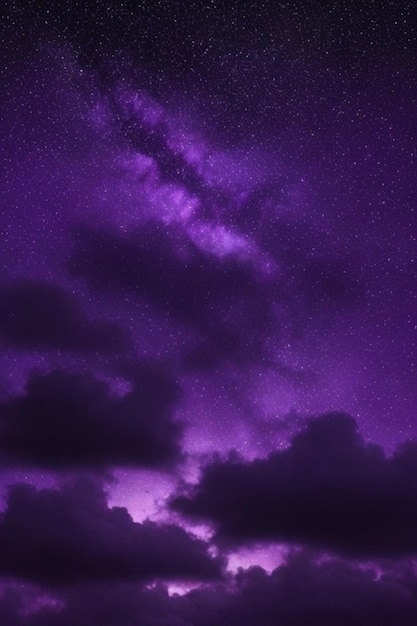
{"x": 328, "y": 489}
{"x": 301, "y": 592}
{"x": 42, "y": 315}
{"x": 71, "y": 535}
{"x": 223, "y": 299}
{"x": 70, "y": 420}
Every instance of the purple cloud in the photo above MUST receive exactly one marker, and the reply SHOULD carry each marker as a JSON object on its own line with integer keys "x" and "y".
{"x": 329, "y": 489}
{"x": 69, "y": 420}
{"x": 42, "y": 315}
{"x": 70, "y": 535}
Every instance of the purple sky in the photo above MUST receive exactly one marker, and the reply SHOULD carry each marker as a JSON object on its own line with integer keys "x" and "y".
{"x": 208, "y": 313}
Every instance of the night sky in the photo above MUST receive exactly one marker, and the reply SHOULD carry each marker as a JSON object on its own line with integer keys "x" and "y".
{"x": 208, "y": 313}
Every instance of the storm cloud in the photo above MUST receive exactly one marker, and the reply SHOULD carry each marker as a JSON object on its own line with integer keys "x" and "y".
{"x": 329, "y": 489}
{"x": 70, "y": 535}
{"x": 69, "y": 420}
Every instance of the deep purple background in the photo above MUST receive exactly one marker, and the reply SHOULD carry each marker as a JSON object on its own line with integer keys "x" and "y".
{"x": 208, "y": 313}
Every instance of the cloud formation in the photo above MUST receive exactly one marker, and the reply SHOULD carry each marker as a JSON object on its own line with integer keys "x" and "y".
{"x": 70, "y": 535}
{"x": 207, "y": 229}
{"x": 301, "y": 592}
{"x": 69, "y": 420}
{"x": 328, "y": 489}
{"x": 220, "y": 298}
{"x": 42, "y": 315}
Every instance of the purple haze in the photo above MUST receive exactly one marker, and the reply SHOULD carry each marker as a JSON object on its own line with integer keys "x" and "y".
{"x": 208, "y": 314}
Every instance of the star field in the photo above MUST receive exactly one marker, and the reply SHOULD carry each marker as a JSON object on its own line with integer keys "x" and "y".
{"x": 208, "y": 313}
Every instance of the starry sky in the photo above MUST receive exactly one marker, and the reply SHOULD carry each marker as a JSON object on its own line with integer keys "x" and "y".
{"x": 208, "y": 313}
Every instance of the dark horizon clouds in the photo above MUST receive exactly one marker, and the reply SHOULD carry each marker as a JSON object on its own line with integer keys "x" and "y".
{"x": 329, "y": 489}
{"x": 300, "y": 592}
{"x": 208, "y": 313}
